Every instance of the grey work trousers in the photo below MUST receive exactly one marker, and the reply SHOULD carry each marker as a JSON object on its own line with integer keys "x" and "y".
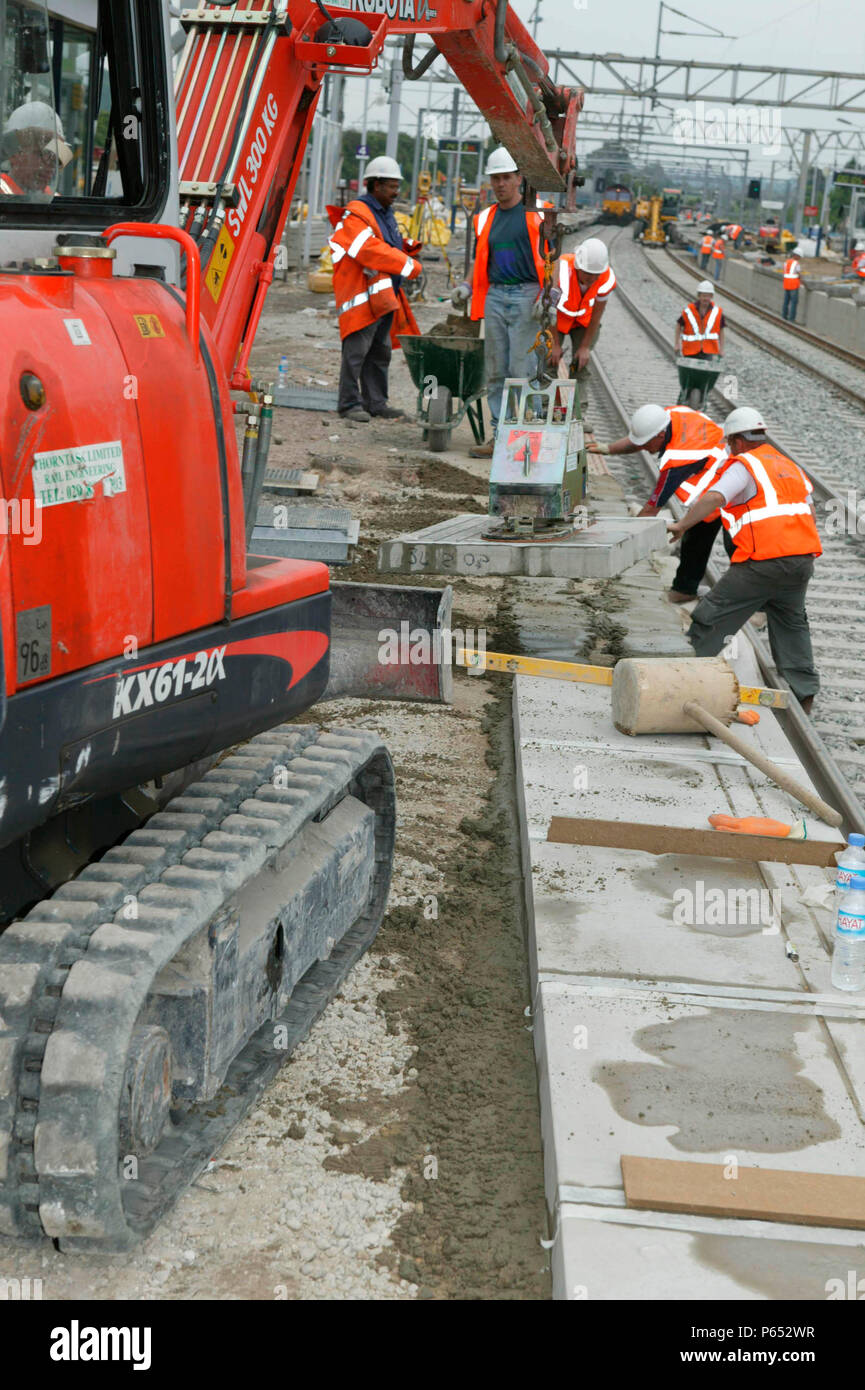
{"x": 509, "y": 337}
{"x": 366, "y": 358}
{"x": 776, "y": 588}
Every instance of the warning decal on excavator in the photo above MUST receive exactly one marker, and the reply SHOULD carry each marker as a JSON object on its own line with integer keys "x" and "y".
{"x": 219, "y": 263}
{"x": 149, "y": 325}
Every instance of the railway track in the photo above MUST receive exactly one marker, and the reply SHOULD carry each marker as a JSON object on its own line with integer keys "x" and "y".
{"x": 827, "y": 376}
{"x": 832, "y": 743}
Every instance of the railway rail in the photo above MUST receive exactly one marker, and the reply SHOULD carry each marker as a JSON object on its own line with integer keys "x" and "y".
{"x": 832, "y": 743}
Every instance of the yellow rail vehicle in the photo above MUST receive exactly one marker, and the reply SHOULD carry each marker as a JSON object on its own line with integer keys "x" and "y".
{"x": 617, "y": 205}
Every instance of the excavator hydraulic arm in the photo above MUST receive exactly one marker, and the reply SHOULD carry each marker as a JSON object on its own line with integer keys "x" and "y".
{"x": 246, "y": 89}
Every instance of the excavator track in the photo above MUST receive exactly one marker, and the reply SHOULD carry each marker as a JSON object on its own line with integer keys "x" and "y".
{"x": 146, "y": 1005}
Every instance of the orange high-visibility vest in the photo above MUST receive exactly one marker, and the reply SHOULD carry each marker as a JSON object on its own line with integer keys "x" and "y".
{"x": 733, "y": 230}
{"x": 9, "y": 186}
{"x": 708, "y": 243}
{"x": 701, "y": 482}
{"x": 701, "y": 333}
{"x": 860, "y": 266}
{"x": 718, "y": 249}
{"x": 694, "y": 437}
{"x": 481, "y": 279}
{"x": 357, "y": 245}
{"x": 777, "y": 520}
{"x": 576, "y": 306}
{"x": 791, "y": 274}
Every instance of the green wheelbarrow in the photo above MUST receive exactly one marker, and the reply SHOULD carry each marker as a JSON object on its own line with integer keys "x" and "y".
{"x": 697, "y": 376}
{"x": 449, "y": 376}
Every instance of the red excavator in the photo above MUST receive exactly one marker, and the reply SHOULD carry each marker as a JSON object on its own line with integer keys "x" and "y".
{"x": 176, "y": 916}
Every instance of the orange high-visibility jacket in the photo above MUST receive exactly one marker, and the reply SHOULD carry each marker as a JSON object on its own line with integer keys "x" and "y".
{"x": 701, "y": 332}
{"x": 701, "y": 482}
{"x": 357, "y": 246}
{"x": 708, "y": 243}
{"x": 576, "y": 306}
{"x": 792, "y": 279}
{"x": 695, "y": 439}
{"x": 481, "y": 279}
{"x": 733, "y": 231}
{"x": 718, "y": 249}
{"x": 9, "y": 186}
{"x": 778, "y": 519}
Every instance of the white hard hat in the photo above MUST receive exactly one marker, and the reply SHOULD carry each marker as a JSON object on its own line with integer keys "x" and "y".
{"x": 382, "y": 167}
{"x": 646, "y": 422}
{"x": 592, "y": 256}
{"x": 742, "y": 420}
{"x": 37, "y": 116}
{"x": 501, "y": 162}
{"x": 705, "y": 287}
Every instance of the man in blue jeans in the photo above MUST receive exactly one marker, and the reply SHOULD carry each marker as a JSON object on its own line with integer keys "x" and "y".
{"x": 506, "y": 282}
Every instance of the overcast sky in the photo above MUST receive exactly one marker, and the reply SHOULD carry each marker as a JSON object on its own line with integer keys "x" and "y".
{"x": 821, "y": 34}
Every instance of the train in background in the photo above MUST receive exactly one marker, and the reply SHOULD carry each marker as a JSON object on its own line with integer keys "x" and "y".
{"x": 617, "y": 204}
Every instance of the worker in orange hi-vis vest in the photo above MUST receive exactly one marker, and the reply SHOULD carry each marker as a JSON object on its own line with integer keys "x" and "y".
{"x": 691, "y": 452}
{"x": 506, "y": 285}
{"x": 766, "y": 509}
{"x": 718, "y": 255}
{"x": 700, "y": 326}
{"x": 792, "y": 281}
{"x": 706, "y": 249}
{"x": 733, "y": 232}
{"x": 371, "y": 258}
{"x": 585, "y": 282}
{"x": 34, "y": 146}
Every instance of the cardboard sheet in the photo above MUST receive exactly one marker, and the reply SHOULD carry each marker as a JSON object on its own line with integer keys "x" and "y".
{"x": 759, "y": 1194}
{"x": 668, "y": 839}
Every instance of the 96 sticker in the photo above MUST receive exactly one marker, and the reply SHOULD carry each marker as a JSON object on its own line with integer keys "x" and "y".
{"x": 154, "y": 685}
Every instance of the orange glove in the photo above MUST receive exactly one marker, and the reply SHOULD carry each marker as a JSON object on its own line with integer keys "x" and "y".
{"x": 753, "y": 825}
{"x": 748, "y": 716}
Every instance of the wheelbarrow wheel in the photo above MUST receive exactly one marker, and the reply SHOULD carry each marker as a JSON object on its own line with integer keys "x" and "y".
{"x": 439, "y": 414}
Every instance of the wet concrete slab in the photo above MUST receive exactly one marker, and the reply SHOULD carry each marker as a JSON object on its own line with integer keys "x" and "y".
{"x": 670, "y": 1017}
{"x": 611, "y": 1253}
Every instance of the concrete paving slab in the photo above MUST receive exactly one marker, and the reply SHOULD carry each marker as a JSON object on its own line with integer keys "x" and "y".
{"x": 612, "y": 913}
{"x": 664, "y": 1079}
{"x": 617, "y": 1254}
{"x": 661, "y": 1031}
{"x": 605, "y": 548}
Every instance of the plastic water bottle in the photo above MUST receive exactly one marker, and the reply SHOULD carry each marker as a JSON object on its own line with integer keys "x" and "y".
{"x": 850, "y": 860}
{"x": 282, "y": 383}
{"x": 848, "y": 958}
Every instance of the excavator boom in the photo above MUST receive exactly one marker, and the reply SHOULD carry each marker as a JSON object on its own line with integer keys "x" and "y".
{"x": 246, "y": 91}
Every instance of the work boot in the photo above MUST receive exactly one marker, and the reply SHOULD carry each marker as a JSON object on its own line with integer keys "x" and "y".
{"x": 806, "y": 702}
{"x": 357, "y": 413}
{"x": 675, "y": 596}
{"x": 482, "y": 451}
{"x": 388, "y": 412}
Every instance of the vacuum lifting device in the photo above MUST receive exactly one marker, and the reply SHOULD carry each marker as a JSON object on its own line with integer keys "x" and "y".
{"x": 164, "y": 952}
